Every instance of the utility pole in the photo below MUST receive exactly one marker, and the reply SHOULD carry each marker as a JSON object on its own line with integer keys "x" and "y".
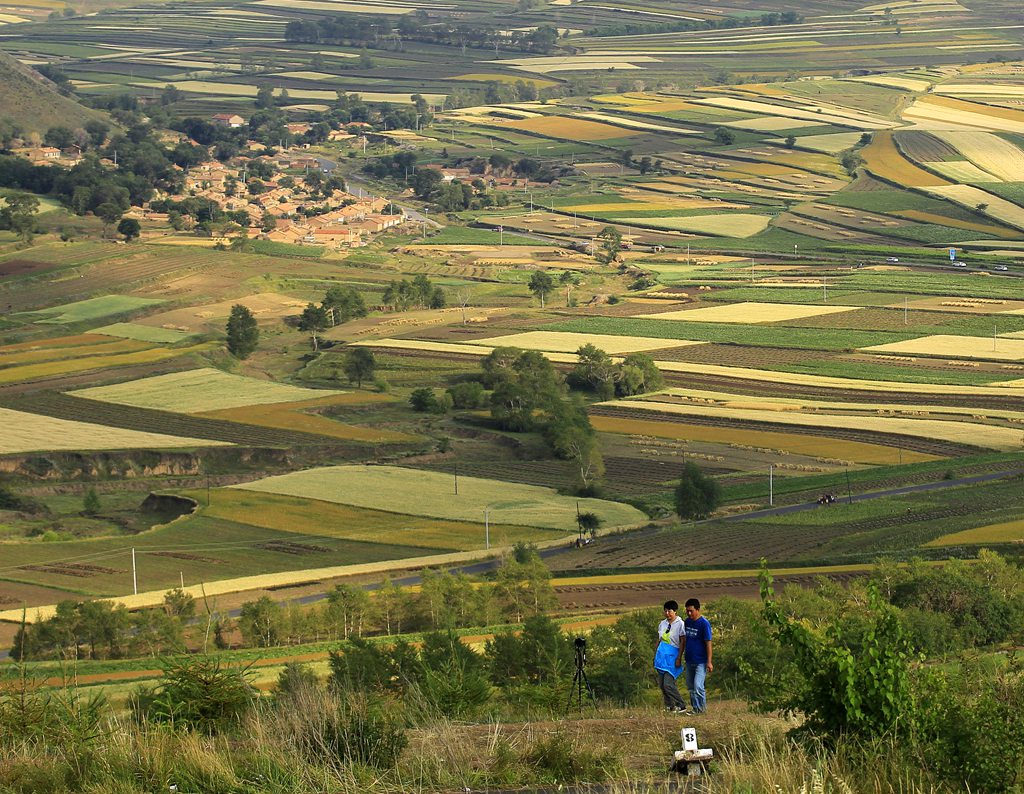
{"x": 456, "y": 478}
{"x": 135, "y": 578}
{"x": 771, "y": 484}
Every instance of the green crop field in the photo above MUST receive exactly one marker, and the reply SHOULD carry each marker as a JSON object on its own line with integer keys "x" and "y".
{"x": 333, "y": 520}
{"x": 195, "y": 391}
{"x": 144, "y": 333}
{"x": 92, "y": 309}
{"x": 429, "y": 494}
{"x": 729, "y": 333}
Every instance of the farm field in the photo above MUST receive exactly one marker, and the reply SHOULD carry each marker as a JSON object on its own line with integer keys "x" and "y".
{"x": 418, "y": 493}
{"x": 748, "y": 312}
{"x": 968, "y": 434}
{"x": 780, "y": 443}
{"x": 332, "y": 520}
{"x": 970, "y": 347}
{"x": 199, "y": 390}
{"x": 92, "y": 309}
{"x": 824, "y": 535}
{"x": 756, "y": 210}
{"x": 561, "y": 342}
{"x": 27, "y": 432}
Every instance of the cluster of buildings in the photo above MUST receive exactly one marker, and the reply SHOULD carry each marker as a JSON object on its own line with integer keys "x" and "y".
{"x": 280, "y": 208}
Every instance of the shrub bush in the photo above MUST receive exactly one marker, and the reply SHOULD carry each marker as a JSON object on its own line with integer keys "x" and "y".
{"x": 197, "y": 694}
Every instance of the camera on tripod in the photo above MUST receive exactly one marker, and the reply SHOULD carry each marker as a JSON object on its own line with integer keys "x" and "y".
{"x": 580, "y": 687}
{"x": 580, "y": 644}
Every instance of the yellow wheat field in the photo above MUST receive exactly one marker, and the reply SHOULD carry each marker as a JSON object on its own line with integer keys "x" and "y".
{"x": 833, "y": 143}
{"x": 737, "y": 224}
{"x": 770, "y": 124}
{"x": 983, "y": 201}
{"x": 750, "y": 312}
{"x": 336, "y": 6}
{"x": 566, "y": 342}
{"x": 830, "y": 382}
{"x": 970, "y": 433}
{"x": 25, "y": 432}
{"x": 844, "y": 118}
{"x": 200, "y": 390}
{"x": 956, "y": 223}
{"x": 892, "y": 81}
{"x": 50, "y": 369}
{"x": 948, "y": 345}
{"x": 989, "y": 152}
{"x": 467, "y": 349}
{"x": 633, "y": 124}
{"x": 730, "y": 400}
{"x": 308, "y": 75}
{"x": 570, "y": 128}
{"x": 302, "y": 416}
{"x": 795, "y": 443}
{"x": 962, "y": 170}
{"x": 981, "y": 89}
{"x": 884, "y": 160}
{"x": 951, "y": 113}
{"x": 1006, "y": 532}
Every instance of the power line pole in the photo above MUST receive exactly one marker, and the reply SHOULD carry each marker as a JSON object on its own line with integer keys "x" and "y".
{"x": 135, "y": 578}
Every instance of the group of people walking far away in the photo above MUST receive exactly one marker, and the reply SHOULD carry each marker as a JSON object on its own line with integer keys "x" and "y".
{"x": 683, "y": 646}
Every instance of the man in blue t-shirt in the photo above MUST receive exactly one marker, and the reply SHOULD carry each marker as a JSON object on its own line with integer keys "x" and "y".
{"x": 697, "y": 654}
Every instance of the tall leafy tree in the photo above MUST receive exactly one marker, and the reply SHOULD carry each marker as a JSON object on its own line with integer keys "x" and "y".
{"x": 242, "y": 331}
{"x": 359, "y": 365}
{"x": 18, "y": 214}
{"x": 595, "y": 370}
{"x": 541, "y": 285}
{"x": 611, "y": 245}
{"x": 638, "y": 374}
{"x": 530, "y": 384}
{"x": 571, "y": 436}
{"x": 130, "y": 228}
{"x": 343, "y": 304}
{"x": 313, "y": 321}
{"x": 697, "y": 494}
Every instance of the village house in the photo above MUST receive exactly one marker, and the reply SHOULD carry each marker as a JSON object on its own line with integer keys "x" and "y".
{"x": 232, "y": 120}
{"x": 41, "y": 154}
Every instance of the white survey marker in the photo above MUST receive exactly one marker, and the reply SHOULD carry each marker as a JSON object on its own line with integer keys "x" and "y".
{"x": 692, "y": 759}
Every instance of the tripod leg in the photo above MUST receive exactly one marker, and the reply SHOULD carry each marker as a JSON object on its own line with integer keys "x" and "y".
{"x": 590, "y": 689}
{"x": 572, "y": 691}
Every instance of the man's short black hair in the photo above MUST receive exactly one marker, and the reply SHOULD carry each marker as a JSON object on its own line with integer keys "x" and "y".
{"x": 673, "y": 605}
{"x": 693, "y": 602}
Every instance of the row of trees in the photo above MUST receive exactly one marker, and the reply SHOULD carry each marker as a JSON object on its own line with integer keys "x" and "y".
{"x": 339, "y": 305}
{"x": 520, "y": 588}
{"x": 103, "y": 630}
{"x": 378, "y": 31}
{"x": 766, "y": 19}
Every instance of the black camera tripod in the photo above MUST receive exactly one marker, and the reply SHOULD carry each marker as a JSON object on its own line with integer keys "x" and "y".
{"x": 580, "y": 682}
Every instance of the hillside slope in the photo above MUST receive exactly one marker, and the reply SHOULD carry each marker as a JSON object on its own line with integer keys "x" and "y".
{"x": 33, "y": 103}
